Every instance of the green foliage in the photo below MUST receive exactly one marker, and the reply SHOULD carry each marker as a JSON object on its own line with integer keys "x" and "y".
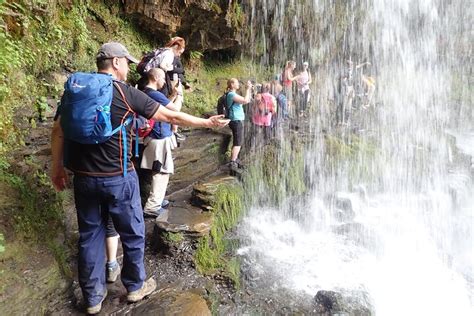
{"x": 194, "y": 54}
{"x": 40, "y": 218}
{"x": 41, "y": 107}
{"x": 43, "y": 37}
{"x": 237, "y": 16}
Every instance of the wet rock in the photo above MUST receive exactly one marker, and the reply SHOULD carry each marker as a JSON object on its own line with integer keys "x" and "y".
{"x": 336, "y": 303}
{"x": 203, "y": 194}
{"x": 358, "y": 234}
{"x": 172, "y": 301}
{"x": 190, "y": 221}
{"x": 208, "y": 26}
{"x": 341, "y": 206}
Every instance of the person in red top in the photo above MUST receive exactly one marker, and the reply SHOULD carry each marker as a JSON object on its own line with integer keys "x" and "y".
{"x": 264, "y": 113}
{"x": 287, "y": 79}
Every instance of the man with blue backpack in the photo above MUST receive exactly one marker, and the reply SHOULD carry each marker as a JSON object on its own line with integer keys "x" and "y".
{"x": 91, "y": 137}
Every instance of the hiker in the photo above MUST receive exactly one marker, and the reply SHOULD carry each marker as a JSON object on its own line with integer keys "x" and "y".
{"x": 170, "y": 63}
{"x": 264, "y": 109}
{"x": 105, "y": 182}
{"x": 174, "y": 48}
{"x": 235, "y": 104}
{"x": 178, "y": 70}
{"x": 158, "y": 146}
{"x": 303, "y": 81}
{"x": 287, "y": 79}
{"x": 282, "y": 103}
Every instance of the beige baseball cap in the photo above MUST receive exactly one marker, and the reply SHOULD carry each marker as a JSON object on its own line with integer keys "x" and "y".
{"x": 114, "y": 49}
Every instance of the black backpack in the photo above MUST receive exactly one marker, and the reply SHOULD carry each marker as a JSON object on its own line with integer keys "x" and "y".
{"x": 150, "y": 60}
{"x": 222, "y": 107}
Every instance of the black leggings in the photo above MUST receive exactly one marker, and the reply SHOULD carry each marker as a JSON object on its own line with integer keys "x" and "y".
{"x": 237, "y": 128}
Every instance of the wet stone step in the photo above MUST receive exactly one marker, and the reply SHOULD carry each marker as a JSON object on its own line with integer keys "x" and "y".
{"x": 189, "y": 220}
{"x": 204, "y": 193}
{"x": 172, "y": 301}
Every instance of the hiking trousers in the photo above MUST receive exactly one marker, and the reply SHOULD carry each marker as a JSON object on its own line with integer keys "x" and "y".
{"x": 96, "y": 198}
{"x": 158, "y": 191}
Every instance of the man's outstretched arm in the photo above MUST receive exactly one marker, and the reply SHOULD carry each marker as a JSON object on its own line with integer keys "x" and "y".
{"x": 58, "y": 173}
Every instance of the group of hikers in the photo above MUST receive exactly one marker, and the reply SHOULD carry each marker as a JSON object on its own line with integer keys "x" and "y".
{"x": 95, "y": 134}
{"x": 268, "y": 103}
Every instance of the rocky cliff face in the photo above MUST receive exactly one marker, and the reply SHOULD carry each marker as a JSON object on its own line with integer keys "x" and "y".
{"x": 206, "y": 25}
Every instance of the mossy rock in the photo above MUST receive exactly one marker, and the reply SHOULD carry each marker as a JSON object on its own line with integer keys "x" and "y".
{"x": 204, "y": 193}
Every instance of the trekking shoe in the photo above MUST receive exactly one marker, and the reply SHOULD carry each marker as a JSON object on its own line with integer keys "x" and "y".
{"x": 147, "y": 288}
{"x": 187, "y": 86}
{"x": 154, "y": 213}
{"x": 234, "y": 168}
{"x": 112, "y": 273}
{"x": 163, "y": 217}
{"x": 92, "y": 310}
{"x": 239, "y": 164}
{"x": 179, "y": 136}
{"x": 165, "y": 204}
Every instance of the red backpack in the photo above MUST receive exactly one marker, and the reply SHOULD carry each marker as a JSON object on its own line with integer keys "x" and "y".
{"x": 143, "y": 126}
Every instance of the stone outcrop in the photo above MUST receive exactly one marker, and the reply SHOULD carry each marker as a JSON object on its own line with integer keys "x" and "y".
{"x": 173, "y": 301}
{"x": 206, "y": 25}
{"x": 204, "y": 193}
{"x": 332, "y": 303}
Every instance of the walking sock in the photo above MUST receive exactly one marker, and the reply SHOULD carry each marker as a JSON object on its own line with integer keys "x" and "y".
{"x": 111, "y": 265}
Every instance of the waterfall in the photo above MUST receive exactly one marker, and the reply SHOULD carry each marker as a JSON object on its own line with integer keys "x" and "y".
{"x": 389, "y": 164}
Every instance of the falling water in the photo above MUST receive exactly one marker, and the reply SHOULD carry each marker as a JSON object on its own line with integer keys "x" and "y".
{"x": 389, "y": 210}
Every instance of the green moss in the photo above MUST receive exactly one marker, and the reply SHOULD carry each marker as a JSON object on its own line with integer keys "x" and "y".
{"x": 173, "y": 237}
{"x": 40, "y": 218}
{"x": 210, "y": 81}
{"x": 277, "y": 172}
{"x": 210, "y": 256}
{"x": 2, "y": 243}
{"x": 237, "y": 16}
{"x": 233, "y": 271}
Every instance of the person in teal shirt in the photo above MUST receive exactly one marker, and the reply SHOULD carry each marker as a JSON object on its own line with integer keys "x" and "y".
{"x": 235, "y": 104}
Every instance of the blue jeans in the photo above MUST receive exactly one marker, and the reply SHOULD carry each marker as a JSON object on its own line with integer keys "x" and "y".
{"x": 96, "y": 199}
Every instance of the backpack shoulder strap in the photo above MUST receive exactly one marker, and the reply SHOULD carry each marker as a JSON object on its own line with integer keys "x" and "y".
{"x": 123, "y": 134}
{"x": 226, "y": 94}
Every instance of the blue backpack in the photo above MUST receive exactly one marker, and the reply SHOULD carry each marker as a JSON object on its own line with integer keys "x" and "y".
{"x": 85, "y": 110}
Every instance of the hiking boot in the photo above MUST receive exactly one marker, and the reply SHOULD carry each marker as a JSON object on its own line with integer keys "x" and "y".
{"x": 165, "y": 204}
{"x": 154, "y": 213}
{"x": 147, "y": 288}
{"x": 239, "y": 164}
{"x": 92, "y": 310}
{"x": 234, "y": 168}
{"x": 179, "y": 136}
{"x": 112, "y": 273}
